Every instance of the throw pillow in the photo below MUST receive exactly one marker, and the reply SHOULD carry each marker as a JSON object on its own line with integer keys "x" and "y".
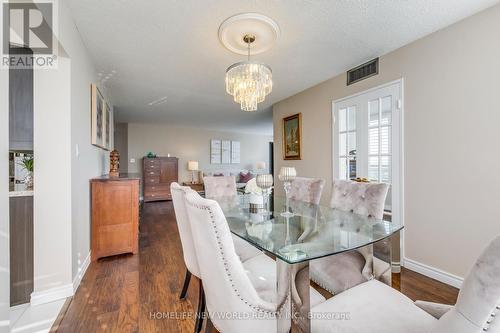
{"x": 245, "y": 177}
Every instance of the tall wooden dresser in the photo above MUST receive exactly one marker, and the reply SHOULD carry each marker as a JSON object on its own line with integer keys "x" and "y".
{"x": 158, "y": 173}
{"x": 115, "y": 215}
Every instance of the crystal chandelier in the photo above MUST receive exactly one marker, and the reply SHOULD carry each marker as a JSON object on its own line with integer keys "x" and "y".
{"x": 249, "y": 82}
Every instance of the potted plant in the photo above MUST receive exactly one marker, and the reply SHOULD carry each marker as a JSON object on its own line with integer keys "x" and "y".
{"x": 27, "y": 163}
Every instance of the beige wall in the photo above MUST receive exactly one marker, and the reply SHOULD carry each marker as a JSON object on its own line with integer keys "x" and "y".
{"x": 192, "y": 144}
{"x": 451, "y": 134}
{"x": 121, "y": 144}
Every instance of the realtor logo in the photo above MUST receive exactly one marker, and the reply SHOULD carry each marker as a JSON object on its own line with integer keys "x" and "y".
{"x": 29, "y": 34}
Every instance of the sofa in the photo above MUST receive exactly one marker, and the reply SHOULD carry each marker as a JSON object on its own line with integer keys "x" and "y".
{"x": 242, "y": 175}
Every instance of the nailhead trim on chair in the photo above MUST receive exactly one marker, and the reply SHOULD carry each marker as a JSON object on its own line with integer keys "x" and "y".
{"x": 322, "y": 286}
{"x": 493, "y": 314}
{"x": 252, "y": 306}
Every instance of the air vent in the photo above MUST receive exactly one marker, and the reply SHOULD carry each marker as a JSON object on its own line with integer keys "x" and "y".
{"x": 363, "y": 71}
{"x": 158, "y": 101}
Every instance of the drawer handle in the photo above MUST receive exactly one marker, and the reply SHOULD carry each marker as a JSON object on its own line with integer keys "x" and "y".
{"x": 151, "y": 173}
{"x": 153, "y": 187}
{"x": 152, "y": 195}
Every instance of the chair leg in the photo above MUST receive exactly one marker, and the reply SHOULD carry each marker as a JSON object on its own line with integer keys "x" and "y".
{"x": 187, "y": 278}
{"x": 210, "y": 327}
{"x": 201, "y": 310}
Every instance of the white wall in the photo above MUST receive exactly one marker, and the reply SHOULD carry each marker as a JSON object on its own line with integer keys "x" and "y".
{"x": 62, "y": 121}
{"x": 52, "y": 179}
{"x": 451, "y": 138}
{"x": 4, "y": 203}
{"x": 192, "y": 144}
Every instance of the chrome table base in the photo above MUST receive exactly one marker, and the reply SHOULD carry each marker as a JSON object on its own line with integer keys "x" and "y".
{"x": 293, "y": 293}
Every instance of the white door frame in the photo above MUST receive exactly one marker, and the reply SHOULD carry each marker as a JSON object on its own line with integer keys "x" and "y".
{"x": 401, "y": 209}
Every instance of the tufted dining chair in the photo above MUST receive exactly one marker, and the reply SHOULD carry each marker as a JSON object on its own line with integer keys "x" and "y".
{"x": 343, "y": 271}
{"x": 374, "y": 307}
{"x": 246, "y": 290}
{"x": 307, "y": 189}
{"x": 188, "y": 250}
{"x": 223, "y": 186}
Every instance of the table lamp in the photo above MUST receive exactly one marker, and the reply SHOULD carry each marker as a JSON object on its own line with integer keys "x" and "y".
{"x": 192, "y": 166}
{"x": 261, "y": 165}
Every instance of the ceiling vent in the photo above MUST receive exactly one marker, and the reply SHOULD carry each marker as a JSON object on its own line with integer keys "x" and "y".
{"x": 362, "y": 72}
{"x": 158, "y": 101}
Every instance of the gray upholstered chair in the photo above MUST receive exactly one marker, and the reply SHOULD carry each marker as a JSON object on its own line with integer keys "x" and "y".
{"x": 307, "y": 189}
{"x": 374, "y": 307}
{"x": 219, "y": 186}
{"x": 343, "y": 271}
{"x": 225, "y": 186}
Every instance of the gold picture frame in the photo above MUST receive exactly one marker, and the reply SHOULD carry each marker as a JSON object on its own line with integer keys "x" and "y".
{"x": 292, "y": 137}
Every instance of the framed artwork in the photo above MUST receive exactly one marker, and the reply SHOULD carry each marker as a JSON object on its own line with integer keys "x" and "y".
{"x": 215, "y": 151}
{"x": 107, "y": 126}
{"x": 97, "y": 117}
{"x": 235, "y": 152}
{"x": 292, "y": 137}
{"x": 226, "y": 152}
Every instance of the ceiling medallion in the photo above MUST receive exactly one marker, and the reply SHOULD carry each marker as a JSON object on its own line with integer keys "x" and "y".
{"x": 249, "y": 82}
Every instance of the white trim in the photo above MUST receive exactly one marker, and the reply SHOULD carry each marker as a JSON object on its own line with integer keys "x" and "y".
{"x": 434, "y": 273}
{"x": 387, "y": 84}
{"x": 19, "y": 306}
{"x": 402, "y": 169}
{"x": 51, "y": 295}
{"x": 81, "y": 272}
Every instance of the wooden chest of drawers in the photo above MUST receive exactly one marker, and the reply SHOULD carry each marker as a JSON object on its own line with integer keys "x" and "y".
{"x": 158, "y": 173}
{"x": 115, "y": 215}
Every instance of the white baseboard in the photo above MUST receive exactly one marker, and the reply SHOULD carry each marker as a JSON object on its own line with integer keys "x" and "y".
{"x": 81, "y": 272}
{"x": 67, "y": 290}
{"x": 433, "y": 273}
{"x": 51, "y": 295}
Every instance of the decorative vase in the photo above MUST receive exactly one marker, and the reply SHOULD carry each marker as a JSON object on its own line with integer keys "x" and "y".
{"x": 287, "y": 176}
{"x": 28, "y": 180}
{"x": 265, "y": 182}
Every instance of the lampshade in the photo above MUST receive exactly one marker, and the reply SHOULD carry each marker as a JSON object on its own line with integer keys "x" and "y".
{"x": 193, "y": 165}
{"x": 260, "y": 165}
{"x": 264, "y": 181}
{"x": 287, "y": 174}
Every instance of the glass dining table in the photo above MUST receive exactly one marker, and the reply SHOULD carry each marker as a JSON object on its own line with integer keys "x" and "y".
{"x": 297, "y": 232}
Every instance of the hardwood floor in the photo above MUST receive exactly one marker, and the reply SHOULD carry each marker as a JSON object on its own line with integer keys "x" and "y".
{"x": 140, "y": 293}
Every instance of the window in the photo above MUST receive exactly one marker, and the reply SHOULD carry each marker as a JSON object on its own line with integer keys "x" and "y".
{"x": 347, "y": 143}
{"x": 379, "y": 139}
{"x": 366, "y": 139}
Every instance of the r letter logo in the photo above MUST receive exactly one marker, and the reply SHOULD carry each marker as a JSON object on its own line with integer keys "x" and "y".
{"x": 29, "y": 34}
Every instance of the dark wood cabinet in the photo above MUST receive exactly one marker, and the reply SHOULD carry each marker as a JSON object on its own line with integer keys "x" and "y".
{"x": 21, "y": 107}
{"x": 115, "y": 215}
{"x": 159, "y": 173}
{"x": 21, "y": 249}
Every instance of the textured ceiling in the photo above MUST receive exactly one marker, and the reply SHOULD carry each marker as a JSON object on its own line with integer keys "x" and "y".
{"x": 170, "y": 48}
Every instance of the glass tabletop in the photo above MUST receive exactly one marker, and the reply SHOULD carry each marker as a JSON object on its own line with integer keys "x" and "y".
{"x": 310, "y": 232}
